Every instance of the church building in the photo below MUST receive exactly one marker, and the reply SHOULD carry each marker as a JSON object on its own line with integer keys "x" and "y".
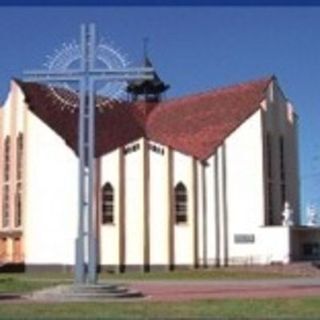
{"x": 204, "y": 180}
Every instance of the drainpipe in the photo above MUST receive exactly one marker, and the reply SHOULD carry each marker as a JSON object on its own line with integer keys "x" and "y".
{"x": 204, "y": 219}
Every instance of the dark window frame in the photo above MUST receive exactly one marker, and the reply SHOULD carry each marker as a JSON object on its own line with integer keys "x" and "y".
{"x": 7, "y": 159}
{"x": 6, "y": 206}
{"x": 18, "y": 205}
{"x": 107, "y": 204}
{"x": 20, "y": 146}
{"x": 181, "y": 203}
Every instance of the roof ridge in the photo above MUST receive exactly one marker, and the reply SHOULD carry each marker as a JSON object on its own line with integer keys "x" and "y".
{"x": 221, "y": 88}
{"x": 174, "y": 99}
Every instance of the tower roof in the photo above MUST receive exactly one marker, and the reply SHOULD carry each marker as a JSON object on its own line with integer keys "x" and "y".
{"x": 143, "y": 86}
{"x": 195, "y": 125}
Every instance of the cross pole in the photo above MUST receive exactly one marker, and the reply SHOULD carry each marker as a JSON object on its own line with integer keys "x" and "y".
{"x": 86, "y": 76}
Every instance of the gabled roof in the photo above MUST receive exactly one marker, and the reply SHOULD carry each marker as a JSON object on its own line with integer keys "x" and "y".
{"x": 198, "y": 124}
{"x": 195, "y": 125}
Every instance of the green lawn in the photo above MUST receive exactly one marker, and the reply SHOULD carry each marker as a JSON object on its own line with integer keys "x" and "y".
{"x": 208, "y": 274}
{"x": 254, "y": 309}
{"x": 200, "y": 274}
{"x": 27, "y": 282}
{"x": 13, "y": 284}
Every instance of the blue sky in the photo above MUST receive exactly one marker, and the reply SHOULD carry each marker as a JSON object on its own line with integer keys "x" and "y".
{"x": 194, "y": 49}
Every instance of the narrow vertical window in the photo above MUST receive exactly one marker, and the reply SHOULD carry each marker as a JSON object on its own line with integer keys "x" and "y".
{"x": 282, "y": 171}
{"x": 19, "y": 156}
{"x": 6, "y": 184}
{"x": 180, "y": 196}
{"x": 6, "y": 206}
{"x": 18, "y": 206}
{"x": 269, "y": 218}
{"x": 6, "y": 168}
{"x": 18, "y": 194}
{"x": 107, "y": 204}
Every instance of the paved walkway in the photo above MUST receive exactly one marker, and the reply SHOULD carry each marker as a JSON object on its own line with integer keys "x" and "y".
{"x": 246, "y": 289}
{"x": 184, "y": 290}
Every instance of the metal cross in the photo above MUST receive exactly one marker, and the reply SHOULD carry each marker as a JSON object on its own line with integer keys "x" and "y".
{"x": 86, "y": 76}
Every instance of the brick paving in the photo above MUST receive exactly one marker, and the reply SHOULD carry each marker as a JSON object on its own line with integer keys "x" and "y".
{"x": 175, "y": 291}
{"x": 306, "y": 285}
{"x": 246, "y": 289}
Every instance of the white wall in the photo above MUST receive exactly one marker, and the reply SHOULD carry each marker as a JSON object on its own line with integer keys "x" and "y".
{"x": 110, "y": 233}
{"x": 159, "y": 197}
{"x": 239, "y": 171}
{"x": 244, "y": 163}
{"x": 244, "y": 183}
{"x": 52, "y": 197}
{"x": 134, "y": 226}
{"x": 271, "y": 244}
{"x": 183, "y": 232}
{"x": 20, "y": 107}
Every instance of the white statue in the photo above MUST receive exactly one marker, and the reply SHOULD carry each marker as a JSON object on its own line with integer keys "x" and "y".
{"x": 311, "y": 216}
{"x": 287, "y": 215}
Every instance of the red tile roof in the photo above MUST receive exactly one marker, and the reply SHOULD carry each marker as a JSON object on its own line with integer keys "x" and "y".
{"x": 195, "y": 125}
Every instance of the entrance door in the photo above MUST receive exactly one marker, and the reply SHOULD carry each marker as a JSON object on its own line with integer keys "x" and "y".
{"x": 17, "y": 252}
{"x": 3, "y": 250}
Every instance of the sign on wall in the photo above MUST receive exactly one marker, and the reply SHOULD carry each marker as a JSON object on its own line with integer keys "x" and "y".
{"x": 244, "y": 238}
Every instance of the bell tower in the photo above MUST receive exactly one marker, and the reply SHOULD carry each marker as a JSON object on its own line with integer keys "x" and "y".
{"x": 147, "y": 90}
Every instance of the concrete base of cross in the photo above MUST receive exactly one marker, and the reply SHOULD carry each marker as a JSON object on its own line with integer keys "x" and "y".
{"x": 96, "y": 292}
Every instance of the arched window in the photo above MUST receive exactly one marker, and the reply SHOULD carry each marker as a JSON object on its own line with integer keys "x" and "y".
{"x": 181, "y": 199}
{"x": 107, "y": 203}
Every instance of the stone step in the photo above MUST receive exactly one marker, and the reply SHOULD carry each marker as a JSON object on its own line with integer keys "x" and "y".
{"x": 99, "y": 289}
{"x": 85, "y": 293}
{"x": 91, "y": 296}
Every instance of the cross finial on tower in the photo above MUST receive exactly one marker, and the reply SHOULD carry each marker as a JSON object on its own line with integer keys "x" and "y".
{"x": 145, "y": 47}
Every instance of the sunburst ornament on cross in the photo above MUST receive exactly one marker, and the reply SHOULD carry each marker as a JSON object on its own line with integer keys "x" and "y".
{"x": 84, "y": 66}
{"x": 105, "y": 54}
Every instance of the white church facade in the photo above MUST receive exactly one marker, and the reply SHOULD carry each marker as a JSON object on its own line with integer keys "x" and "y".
{"x": 195, "y": 181}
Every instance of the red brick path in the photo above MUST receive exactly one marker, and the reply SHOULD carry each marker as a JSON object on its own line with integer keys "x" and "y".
{"x": 175, "y": 291}
{"x": 306, "y": 285}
